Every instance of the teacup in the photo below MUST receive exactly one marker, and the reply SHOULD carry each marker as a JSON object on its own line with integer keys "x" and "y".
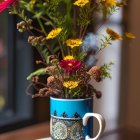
{"x": 70, "y": 119}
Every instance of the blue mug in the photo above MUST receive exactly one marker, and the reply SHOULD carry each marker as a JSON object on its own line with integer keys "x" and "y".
{"x": 70, "y": 119}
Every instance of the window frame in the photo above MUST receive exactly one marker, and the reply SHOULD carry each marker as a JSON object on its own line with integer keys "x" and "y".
{"x": 15, "y": 118}
{"x": 11, "y": 119}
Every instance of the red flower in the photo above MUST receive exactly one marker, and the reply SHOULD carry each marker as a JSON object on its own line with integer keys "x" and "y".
{"x": 6, "y": 3}
{"x": 70, "y": 65}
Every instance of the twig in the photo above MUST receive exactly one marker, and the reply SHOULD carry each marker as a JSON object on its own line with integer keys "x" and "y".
{"x": 49, "y": 49}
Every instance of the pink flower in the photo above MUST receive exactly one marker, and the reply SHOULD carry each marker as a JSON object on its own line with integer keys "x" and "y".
{"x": 70, "y": 65}
{"x": 6, "y": 3}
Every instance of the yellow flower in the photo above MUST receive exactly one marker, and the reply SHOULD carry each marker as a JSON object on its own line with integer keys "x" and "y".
{"x": 113, "y": 34}
{"x": 53, "y": 33}
{"x": 130, "y": 35}
{"x": 68, "y": 57}
{"x": 74, "y": 42}
{"x": 70, "y": 84}
{"x": 109, "y": 3}
{"x": 81, "y": 3}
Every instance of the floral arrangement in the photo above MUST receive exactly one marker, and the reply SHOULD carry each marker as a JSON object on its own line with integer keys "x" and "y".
{"x": 60, "y": 30}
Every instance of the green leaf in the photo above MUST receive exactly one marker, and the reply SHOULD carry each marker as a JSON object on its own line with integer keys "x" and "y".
{"x": 38, "y": 72}
{"x": 81, "y": 55}
{"x": 105, "y": 70}
{"x": 56, "y": 49}
{"x": 48, "y": 23}
{"x": 37, "y": 15}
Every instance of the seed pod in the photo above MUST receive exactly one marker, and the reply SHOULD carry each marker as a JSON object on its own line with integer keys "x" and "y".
{"x": 37, "y": 41}
{"x": 95, "y": 72}
{"x": 24, "y": 25}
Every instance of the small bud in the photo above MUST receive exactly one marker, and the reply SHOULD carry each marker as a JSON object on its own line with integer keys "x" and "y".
{"x": 95, "y": 72}
{"x": 38, "y": 61}
{"x": 24, "y": 25}
{"x": 98, "y": 94}
{"x": 35, "y": 79}
{"x": 55, "y": 61}
{"x": 21, "y": 26}
{"x": 37, "y": 41}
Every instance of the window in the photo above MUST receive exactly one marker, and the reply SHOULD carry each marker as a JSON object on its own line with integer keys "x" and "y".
{"x": 16, "y": 63}
{"x": 15, "y": 107}
{"x": 3, "y": 64}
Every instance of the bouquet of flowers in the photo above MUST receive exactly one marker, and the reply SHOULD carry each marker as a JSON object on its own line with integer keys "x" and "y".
{"x": 60, "y": 30}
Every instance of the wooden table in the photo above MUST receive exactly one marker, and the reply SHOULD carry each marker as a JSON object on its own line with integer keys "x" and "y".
{"x": 28, "y": 133}
{"x": 42, "y": 130}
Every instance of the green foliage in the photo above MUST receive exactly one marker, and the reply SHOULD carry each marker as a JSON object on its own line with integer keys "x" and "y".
{"x": 73, "y": 93}
{"x": 38, "y": 72}
{"x": 85, "y": 16}
{"x": 112, "y": 10}
{"x": 50, "y": 8}
{"x": 81, "y": 56}
{"x": 21, "y": 13}
{"x": 108, "y": 11}
{"x": 44, "y": 52}
{"x": 105, "y": 42}
{"x": 105, "y": 70}
{"x": 42, "y": 18}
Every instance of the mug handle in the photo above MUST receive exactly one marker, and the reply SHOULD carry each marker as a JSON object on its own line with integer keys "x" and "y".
{"x": 101, "y": 121}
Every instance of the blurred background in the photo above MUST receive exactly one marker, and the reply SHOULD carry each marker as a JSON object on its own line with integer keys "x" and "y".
{"x": 120, "y": 103}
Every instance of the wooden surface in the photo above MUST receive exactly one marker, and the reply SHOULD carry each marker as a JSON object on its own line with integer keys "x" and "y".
{"x": 122, "y": 134}
{"x": 30, "y": 133}
{"x": 42, "y": 131}
{"x": 45, "y": 138}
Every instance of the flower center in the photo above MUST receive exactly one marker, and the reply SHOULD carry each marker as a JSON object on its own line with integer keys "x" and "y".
{"x": 70, "y": 64}
{"x": 72, "y": 42}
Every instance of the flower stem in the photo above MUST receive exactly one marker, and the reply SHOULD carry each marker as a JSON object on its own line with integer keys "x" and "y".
{"x": 42, "y": 27}
{"x": 47, "y": 20}
{"x": 84, "y": 31}
{"x": 61, "y": 48}
{"x": 38, "y": 30}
